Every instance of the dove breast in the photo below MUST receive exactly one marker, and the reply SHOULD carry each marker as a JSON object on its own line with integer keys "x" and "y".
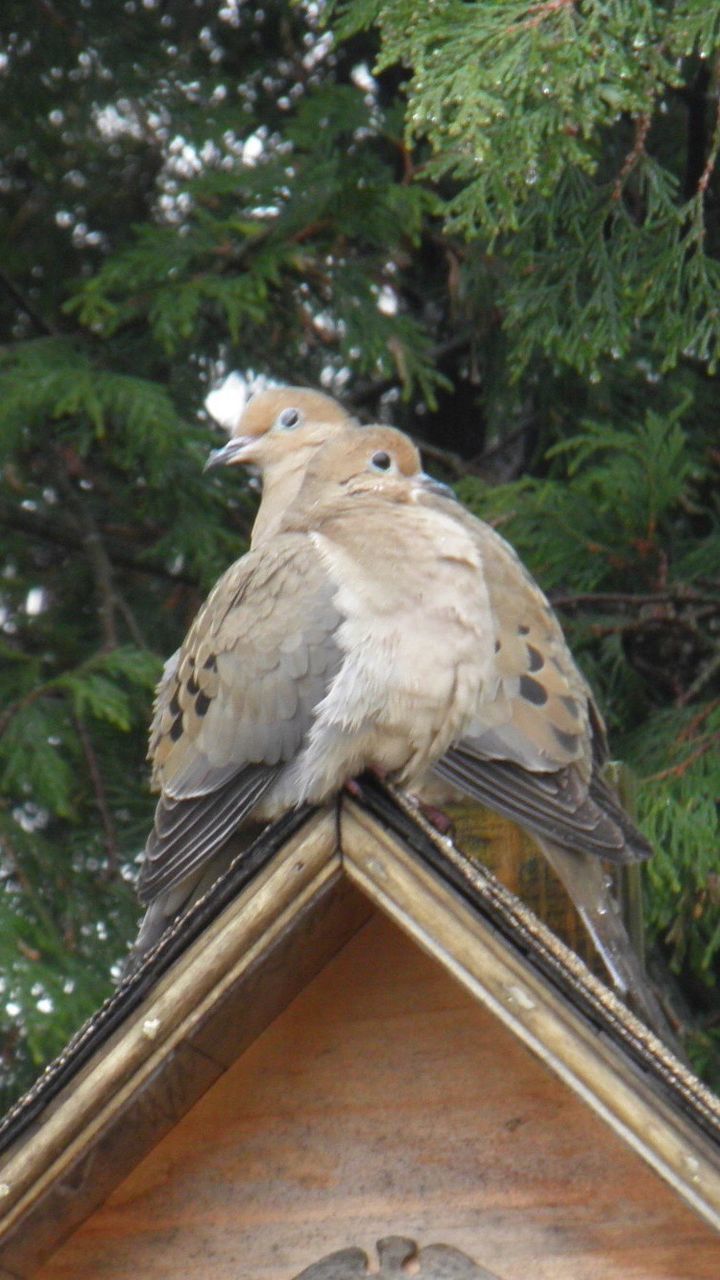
{"x": 416, "y": 638}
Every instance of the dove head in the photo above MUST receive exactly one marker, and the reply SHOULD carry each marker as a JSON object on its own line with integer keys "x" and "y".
{"x": 280, "y": 422}
{"x": 366, "y": 460}
{"x": 278, "y": 433}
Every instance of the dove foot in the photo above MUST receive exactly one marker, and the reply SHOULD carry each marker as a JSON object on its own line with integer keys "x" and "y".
{"x": 353, "y": 788}
{"x": 437, "y": 818}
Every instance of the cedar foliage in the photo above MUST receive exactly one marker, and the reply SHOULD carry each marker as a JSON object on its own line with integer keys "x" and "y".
{"x": 505, "y": 240}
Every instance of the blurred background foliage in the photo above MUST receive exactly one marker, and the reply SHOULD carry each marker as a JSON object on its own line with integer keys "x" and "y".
{"x": 495, "y": 224}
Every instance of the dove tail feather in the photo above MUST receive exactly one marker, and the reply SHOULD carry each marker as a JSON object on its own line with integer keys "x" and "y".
{"x": 556, "y": 806}
{"x": 588, "y": 885}
{"x": 170, "y": 903}
{"x": 188, "y": 832}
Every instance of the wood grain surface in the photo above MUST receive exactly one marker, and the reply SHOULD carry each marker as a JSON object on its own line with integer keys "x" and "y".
{"x": 385, "y": 1101}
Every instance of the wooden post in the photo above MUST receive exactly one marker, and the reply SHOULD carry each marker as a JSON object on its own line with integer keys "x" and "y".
{"x": 515, "y": 859}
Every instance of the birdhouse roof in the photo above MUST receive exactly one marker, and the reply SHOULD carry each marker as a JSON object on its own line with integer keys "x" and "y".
{"x": 280, "y": 913}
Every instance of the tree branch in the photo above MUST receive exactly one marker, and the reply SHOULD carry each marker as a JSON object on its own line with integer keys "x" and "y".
{"x": 452, "y": 461}
{"x": 51, "y": 937}
{"x": 38, "y": 320}
{"x": 677, "y": 770}
{"x": 104, "y": 586}
{"x": 620, "y": 599}
{"x": 712, "y": 156}
{"x": 60, "y": 533}
{"x": 111, "y": 844}
{"x": 703, "y": 678}
{"x": 538, "y": 13}
{"x": 110, "y": 600}
{"x": 369, "y": 391}
{"x": 642, "y": 128}
{"x": 27, "y": 699}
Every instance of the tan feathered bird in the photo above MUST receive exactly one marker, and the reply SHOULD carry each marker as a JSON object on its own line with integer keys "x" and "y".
{"x": 278, "y": 433}
{"x": 237, "y": 732}
{"x": 455, "y": 618}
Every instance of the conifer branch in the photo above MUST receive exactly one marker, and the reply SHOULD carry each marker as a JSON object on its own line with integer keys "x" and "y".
{"x": 688, "y": 733}
{"x": 501, "y": 446}
{"x": 27, "y": 700}
{"x": 110, "y": 600}
{"x": 452, "y": 461}
{"x": 101, "y": 804}
{"x": 51, "y": 935}
{"x": 681, "y": 595}
{"x": 705, "y": 675}
{"x": 537, "y": 13}
{"x": 60, "y": 533}
{"x": 642, "y": 128}
{"x": 104, "y": 586}
{"x": 708, "y": 743}
{"x": 714, "y": 141}
{"x": 28, "y": 307}
{"x": 367, "y": 392}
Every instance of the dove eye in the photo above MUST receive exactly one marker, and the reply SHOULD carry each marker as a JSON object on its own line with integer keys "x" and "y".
{"x": 288, "y": 419}
{"x": 381, "y": 461}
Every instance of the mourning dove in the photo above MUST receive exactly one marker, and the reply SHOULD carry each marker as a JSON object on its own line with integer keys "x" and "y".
{"x": 276, "y": 698}
{"x": 234, "y": 734}
{"x": 278, "y": 433}
{"x": 376, "y": 622}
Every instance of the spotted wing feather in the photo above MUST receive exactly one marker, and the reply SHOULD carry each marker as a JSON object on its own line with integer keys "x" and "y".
{"x": 236, "y": 702}
{"x": 537, "y": 741}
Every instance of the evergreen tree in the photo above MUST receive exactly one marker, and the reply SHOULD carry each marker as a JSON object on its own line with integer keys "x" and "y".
{"x": 495, "y": 224}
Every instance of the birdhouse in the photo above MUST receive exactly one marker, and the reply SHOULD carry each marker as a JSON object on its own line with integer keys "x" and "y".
{"x": 360, "y": 1054}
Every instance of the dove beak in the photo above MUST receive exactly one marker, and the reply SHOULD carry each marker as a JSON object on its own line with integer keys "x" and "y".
{"x": 237, "y": 449}
{"x": 430, "y": 485}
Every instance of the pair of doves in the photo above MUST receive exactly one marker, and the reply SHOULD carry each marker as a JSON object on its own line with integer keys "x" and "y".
{"x": 375, "y": 623}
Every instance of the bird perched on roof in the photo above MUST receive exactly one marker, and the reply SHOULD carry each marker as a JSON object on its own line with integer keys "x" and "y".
{"x": 376, "y": 623}
{"x": 235, "y": 731}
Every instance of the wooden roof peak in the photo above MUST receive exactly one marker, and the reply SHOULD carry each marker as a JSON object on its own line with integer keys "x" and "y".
{"x": 284, "y": 908}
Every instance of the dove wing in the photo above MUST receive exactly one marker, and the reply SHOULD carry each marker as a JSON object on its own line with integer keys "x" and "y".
{"x": 536, "y": 740}
{"x": 236, "y": 702}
